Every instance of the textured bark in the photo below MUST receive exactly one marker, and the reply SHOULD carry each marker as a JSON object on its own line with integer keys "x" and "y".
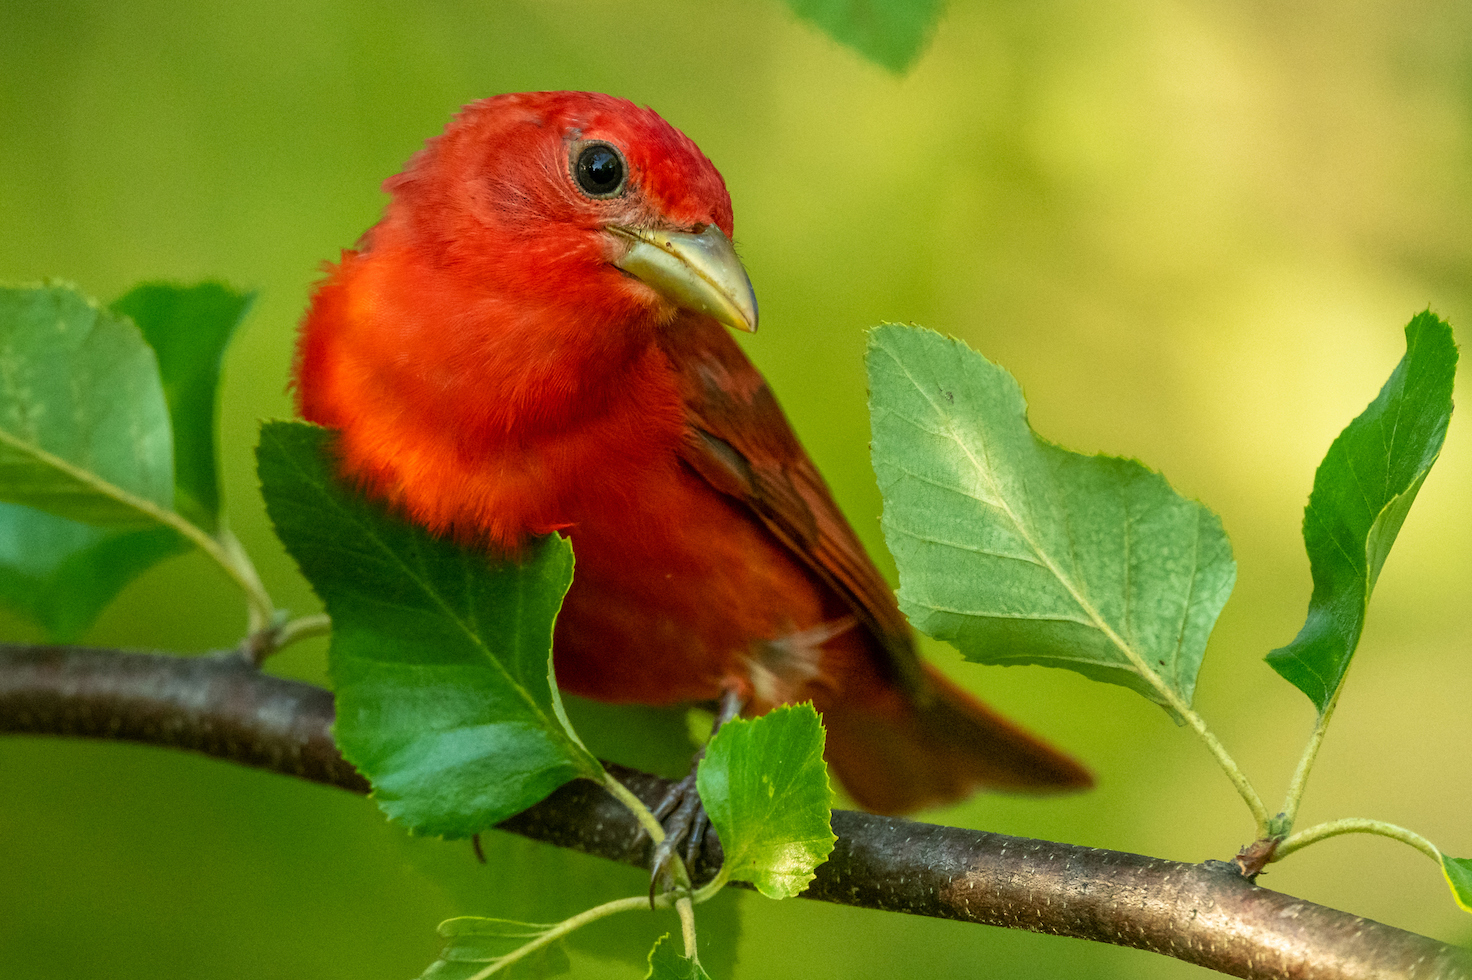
{"x": 1206, "y": 914}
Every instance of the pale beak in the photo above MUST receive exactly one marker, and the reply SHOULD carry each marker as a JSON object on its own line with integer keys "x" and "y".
{"x": 698, "y": 272}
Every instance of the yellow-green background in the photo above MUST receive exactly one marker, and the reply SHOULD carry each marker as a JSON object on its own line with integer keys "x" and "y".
{"x": 1192, "y": 228}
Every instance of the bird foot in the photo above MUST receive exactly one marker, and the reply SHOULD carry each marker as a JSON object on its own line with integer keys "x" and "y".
{"x": 685, "y": 825}
{"x": 682, "y": 815}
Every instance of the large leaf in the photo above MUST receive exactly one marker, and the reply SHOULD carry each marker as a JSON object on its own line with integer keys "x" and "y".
{"x": 891, "y": 33}
{"x": 189, "y": 328}
{"x": 61, "y": 572}
{"x": 67, "y": 359}
{"x": 1362, "y": 492}
{"x": 1019, "y": 551}
{"x": 440, "y": 656}
{"x": 84, "y": 428}
{"x": 765, "y": 788}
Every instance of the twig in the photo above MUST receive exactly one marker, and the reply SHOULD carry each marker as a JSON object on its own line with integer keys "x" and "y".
{"x": 1205, "y": 914}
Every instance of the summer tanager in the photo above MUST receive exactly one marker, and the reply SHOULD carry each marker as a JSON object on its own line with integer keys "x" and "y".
{"x": 531, "y": 341}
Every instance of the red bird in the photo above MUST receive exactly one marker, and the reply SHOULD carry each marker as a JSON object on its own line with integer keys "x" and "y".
{"x": 532, "y": 340}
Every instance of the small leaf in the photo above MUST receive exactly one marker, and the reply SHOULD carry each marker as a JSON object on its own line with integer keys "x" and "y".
{"x": 891, "y": 33}
{"x": 1019, "y": 551}
{"x": 84, "y": 429}
{"x": 1458, "y": 872}
{"x": 472, "y": 943}
{"x": 1362, "y": 492}
{"x": 666, "y": 962}
{"x": 543, "y": 883}
{"x": 765, "y": 788}
{"x": 189, "y": 328}
{"x": 440, "y": 656}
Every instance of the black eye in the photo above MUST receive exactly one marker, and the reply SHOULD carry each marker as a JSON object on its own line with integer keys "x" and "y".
{"x": 599, "y": 170}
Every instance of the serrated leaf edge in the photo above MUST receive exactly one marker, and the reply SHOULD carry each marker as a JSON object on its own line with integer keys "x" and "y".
{"x": 584, "y": 757}
{"x": 1096, "y": 619}
{"x": 792, "y": 882}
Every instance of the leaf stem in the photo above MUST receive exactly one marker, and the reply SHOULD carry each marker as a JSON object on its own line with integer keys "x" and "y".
{"x": 566, "y": 926}
{"x": 1305, "y": 764}
{"x": 259, "y": 608}
{"x": 1167, "y": 693}
{"x": 1356, "y": 825}
{"x": 237, "y": 564}
{"x": 708, "y": 891}
{"x": 225, "y": 550}
{"x": 280, "y": 634}
{"x": 687, "y": 926}
{"x": 303, "y": 628}
{"x": 635, "y": 806}
{"x": 1198, "y": 724}
{"x": 1229, "y": 766}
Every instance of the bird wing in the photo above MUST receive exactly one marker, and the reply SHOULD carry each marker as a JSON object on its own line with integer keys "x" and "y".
{"x": 739, "y": 441}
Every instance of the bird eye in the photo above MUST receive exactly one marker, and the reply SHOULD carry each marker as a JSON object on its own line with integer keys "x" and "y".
{"x": 600, "y": 170}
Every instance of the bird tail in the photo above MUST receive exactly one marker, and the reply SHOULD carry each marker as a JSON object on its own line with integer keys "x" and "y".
{"x": 896, "y": 753}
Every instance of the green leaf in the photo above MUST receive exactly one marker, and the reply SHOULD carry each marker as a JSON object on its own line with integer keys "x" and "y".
{"x": 65, "y": 359}
{"x": 472, "y": 943}
{"x": 1458, "y": 872}
{"x": 1021, "y": 552}
{"x": 1362, "y": 492}
{"x": 62, "y": 574}
{"x": 657, "y": 740}
{"x": 891, "y": 33}
{"x": 62, "y": 358}
{"x": 84, "y": 429}
{"x": 546, "y": 883}
{"x": 666, "y": 962}
{"x": 765, "y": 788}
{"x": 189, "y": 328}
{"x": 440, "y": 656}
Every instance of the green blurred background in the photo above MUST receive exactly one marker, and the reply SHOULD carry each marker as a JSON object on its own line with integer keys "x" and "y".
{"x": 1192, "y": 229}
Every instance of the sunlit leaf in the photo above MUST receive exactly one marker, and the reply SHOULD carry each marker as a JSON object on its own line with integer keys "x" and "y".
{"x": 1458, "y": 872}
{"x": 891, "y": 33}
{"x": 440, "y": 656}
{"x": 765, "y": 788}
{"x": 189, "y": 329}
{"x": 472, "y": 943}
{"x": 1362, "y": 492}
{"x": 1019, "y": 551}
{"x": 667, "y": 962}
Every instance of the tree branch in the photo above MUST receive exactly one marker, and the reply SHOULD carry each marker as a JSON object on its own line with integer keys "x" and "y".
{"x": 1205, "y": 914}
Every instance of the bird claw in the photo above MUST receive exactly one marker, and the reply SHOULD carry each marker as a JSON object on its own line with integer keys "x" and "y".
{"x": 685, "y": 825}
{"x": 682, "y": 815}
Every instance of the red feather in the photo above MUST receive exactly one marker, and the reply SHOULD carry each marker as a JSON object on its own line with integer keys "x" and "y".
{"x": 495, "y": 376}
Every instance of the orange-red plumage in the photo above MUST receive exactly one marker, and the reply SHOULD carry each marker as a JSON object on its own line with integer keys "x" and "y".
{"x": 496, "y": 372}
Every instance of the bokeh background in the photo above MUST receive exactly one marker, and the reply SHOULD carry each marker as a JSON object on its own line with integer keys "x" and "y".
{"x": 1193, "y": 229}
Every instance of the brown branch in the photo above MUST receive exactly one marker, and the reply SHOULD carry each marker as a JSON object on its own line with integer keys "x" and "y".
{"x": 1205, "y": 914}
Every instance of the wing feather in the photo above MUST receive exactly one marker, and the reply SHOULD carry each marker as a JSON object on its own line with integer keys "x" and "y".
{"x": 740, "y": 442}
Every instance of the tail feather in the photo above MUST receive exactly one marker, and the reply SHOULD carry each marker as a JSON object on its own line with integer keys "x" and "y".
{"x": 895, "y": 754}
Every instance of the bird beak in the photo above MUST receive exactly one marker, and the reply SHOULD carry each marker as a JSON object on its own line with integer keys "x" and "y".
{"x": 698, "y": 272}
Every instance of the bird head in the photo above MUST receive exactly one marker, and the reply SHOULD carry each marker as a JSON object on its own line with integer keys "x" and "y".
{"x": 573, "y": 200}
